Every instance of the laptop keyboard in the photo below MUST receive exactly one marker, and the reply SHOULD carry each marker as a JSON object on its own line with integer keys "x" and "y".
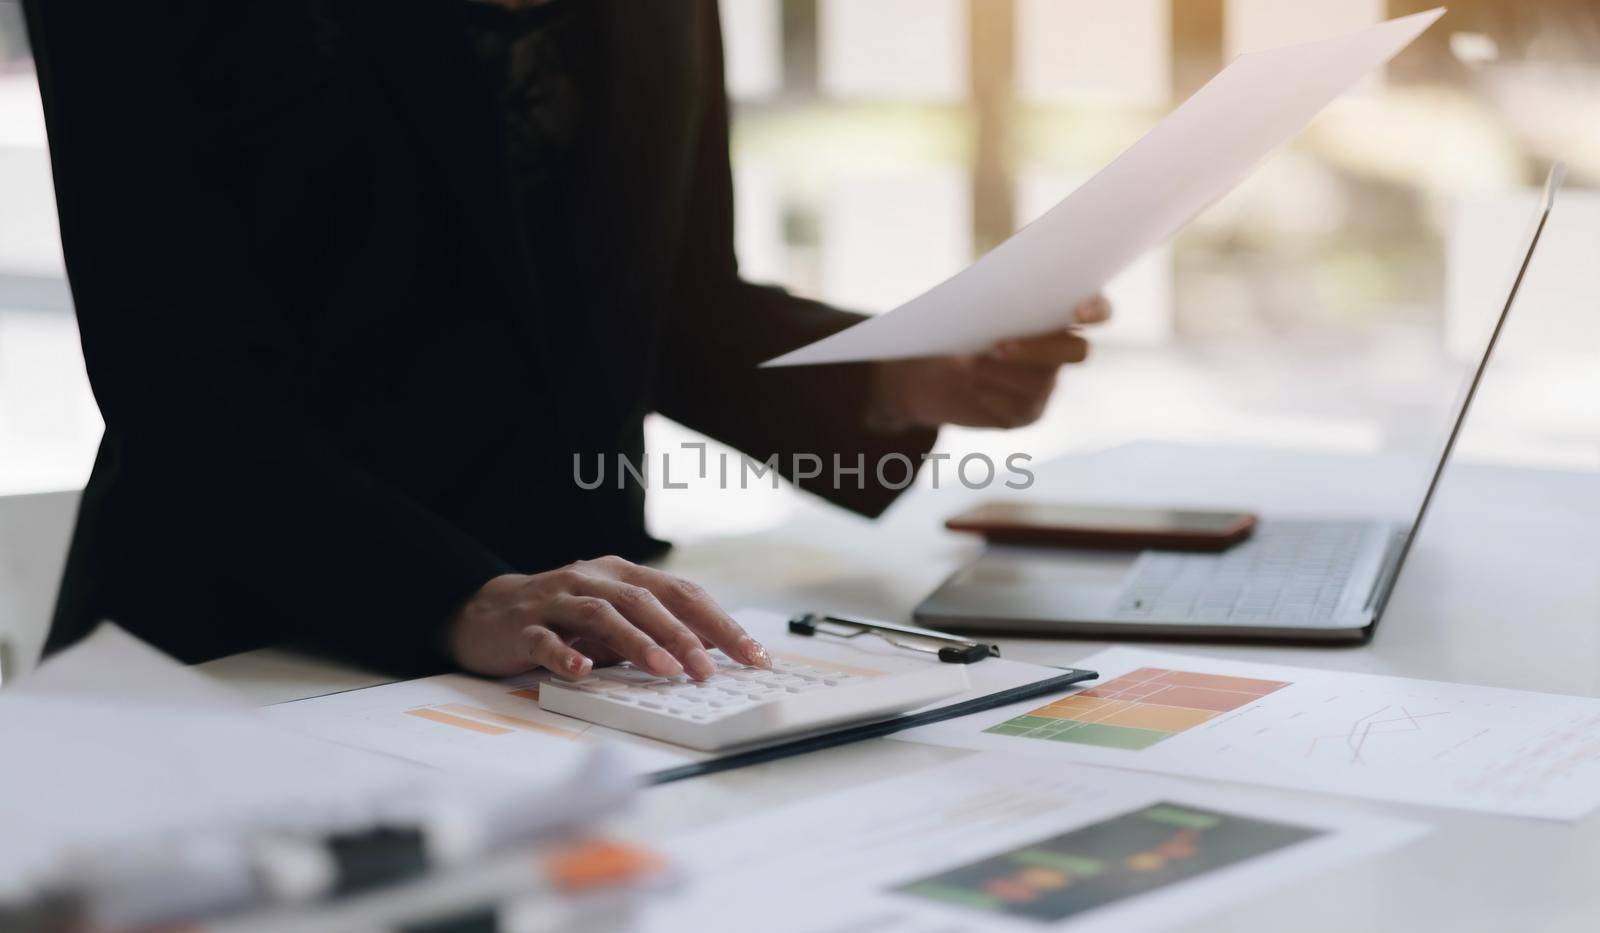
{"x": 1284, "y": 573}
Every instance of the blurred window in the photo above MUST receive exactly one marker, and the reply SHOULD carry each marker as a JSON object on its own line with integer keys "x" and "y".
{"x": 1253, "y": 25}
{"x": 49, "y": 426}
{"x": 752, "y": 39}
{"x": 880, "y": 145}
{"x": 893, "y": 49}
{"x": 926, "y": 213}
{"x": 1094, "y": 51}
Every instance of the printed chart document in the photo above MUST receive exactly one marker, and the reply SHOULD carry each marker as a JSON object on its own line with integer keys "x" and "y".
{"x": 1389, "y": 738}
{"x": 475, "y": 725}
{"x": 1199, "y": 153}
{"x": 469, "y": 725}
{"x": 996, "y": 842}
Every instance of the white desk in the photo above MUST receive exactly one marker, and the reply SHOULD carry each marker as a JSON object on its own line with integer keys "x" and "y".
{"x": 34, "y": 533}
{"x": 1503, "y": 589}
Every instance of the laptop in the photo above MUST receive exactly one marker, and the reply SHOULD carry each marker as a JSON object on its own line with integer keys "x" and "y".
{"x": 1303, "y": 581}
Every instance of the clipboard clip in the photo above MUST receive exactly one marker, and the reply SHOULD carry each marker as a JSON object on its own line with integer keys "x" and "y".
{"x": 948, "y": 648}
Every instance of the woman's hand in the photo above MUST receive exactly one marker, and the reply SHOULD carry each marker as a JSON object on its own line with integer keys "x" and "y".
{"x": 596, "y": 611}
{"x": 1008, "y": 387}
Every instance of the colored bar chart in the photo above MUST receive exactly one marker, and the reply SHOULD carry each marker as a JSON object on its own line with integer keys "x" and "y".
{"x": 460, "y": 722}
{"x": 482, "y": 721}
{"x": 1119, "y": 858}
{"x": 1138, "y": 709}
{"x": 508, "y": 721}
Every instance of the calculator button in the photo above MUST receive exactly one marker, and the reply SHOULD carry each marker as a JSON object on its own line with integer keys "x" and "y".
{"x": 629, "y": 675}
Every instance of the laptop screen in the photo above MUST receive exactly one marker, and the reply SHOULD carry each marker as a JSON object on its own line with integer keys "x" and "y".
{"x": 1470, "y": 389}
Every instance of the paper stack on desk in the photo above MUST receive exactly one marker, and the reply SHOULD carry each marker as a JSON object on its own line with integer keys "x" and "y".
{"x": 123, "y": 767}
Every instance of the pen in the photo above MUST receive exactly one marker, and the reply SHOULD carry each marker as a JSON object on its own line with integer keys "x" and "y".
{"x": 5, "y": 662}
{"x": 873, "y": 730}
{"x": 584, "y": 884}
{"x": 170, "y": 880}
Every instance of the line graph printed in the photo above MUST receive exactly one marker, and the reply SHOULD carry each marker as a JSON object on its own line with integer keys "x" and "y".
{"x": 1361, "y": 730}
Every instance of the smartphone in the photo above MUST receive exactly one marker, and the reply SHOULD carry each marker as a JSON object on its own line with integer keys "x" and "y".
{"x": 1105, "y": 526}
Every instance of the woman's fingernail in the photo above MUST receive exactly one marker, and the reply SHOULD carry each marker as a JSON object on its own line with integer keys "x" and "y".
{"x": 578, "y": 665}
{"x": 754, "y": 654}
{"x": 662, "y": 664}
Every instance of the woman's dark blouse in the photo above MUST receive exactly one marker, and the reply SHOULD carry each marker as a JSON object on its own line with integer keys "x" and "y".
{"x": 356, "y": 280}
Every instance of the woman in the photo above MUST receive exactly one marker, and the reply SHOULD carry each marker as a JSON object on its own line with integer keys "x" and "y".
{"x": 357, "y": 280}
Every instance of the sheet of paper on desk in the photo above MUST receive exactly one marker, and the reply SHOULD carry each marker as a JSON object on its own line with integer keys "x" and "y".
{"x": 479, "y": 726}
{"x": 1027, "y": 284}
{"x": 469, "y": 725}
{"x": 997, "y": 842}
{"x": 1390, "y": 738}
{"x": 111, "y": 664}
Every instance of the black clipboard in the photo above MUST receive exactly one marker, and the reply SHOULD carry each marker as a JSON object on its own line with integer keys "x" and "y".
{"x": 872, "y": 730}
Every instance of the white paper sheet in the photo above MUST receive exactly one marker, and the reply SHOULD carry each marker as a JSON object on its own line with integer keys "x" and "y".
{"x": 111, "y": 664}
{"x": 467, "y": 725}
{"x": 984, "y": 843}
{"x": 1390, "y": 738}
{"x": 1028, "y": 284}
{"x": 477, "y": 726}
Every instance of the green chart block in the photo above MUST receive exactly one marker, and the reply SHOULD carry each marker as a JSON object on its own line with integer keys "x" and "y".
{"x": 1090, "y": 733}
{"x": 1022, "y": 725}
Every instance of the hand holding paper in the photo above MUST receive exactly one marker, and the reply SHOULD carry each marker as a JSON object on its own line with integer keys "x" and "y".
{"x": 1006, "y": 387}
{"x": 1198, "y": 154}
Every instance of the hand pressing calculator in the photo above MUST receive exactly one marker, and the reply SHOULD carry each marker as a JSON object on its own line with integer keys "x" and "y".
{"x": 740, "y": 705}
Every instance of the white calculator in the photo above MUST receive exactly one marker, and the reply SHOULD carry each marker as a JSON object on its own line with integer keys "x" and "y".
{"x": 741, "y": 705}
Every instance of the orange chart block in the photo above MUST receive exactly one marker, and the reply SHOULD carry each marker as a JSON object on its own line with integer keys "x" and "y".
{"x": 1159, "y": 718}
{"x": 460, "y": 722}
{"x": 1080, "y": 707}
{"x": 510, "y": 722}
